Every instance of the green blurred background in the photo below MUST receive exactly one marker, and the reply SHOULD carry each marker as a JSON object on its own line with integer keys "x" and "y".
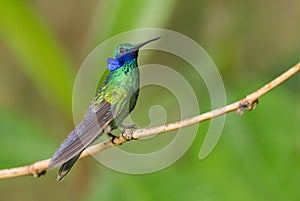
{"x": 43, "y": 43}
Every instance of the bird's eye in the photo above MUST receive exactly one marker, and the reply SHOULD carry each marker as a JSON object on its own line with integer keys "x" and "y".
{"x": 121, "y": 50}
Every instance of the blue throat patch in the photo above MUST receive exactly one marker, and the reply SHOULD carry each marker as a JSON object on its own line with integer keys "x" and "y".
{"x": 113, "y": 64}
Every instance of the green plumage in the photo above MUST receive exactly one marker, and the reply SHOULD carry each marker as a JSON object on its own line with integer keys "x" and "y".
{"x": 120, "y": 89}
{"x": 113, "y": 101}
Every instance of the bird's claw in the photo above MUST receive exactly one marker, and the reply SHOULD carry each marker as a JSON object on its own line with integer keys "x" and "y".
{"x": 128, "y": 130}
{"x": 113, "y": 137}
{"x": 129, "y": 127}
{"x": 127, "y": 134}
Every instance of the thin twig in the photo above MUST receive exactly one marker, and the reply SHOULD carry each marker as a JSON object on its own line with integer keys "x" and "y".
{"x": 249, "y": 102}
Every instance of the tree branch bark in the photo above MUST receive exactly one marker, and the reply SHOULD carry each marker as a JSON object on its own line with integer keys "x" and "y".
{"x": 249, "y": 102}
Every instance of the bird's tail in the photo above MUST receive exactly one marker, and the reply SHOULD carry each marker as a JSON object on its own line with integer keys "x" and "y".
{"x": 66, "y": 167}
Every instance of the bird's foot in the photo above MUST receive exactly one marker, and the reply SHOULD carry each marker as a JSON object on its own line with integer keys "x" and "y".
{"x": 113, "y": 137}
{"x": 127, "y": 134}
{"x": 128, "y": 130}
{"x": 108, "y": 131}
{"x": 129, "y": 127}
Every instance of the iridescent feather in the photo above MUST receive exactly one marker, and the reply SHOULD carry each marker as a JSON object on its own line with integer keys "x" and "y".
{"x": 114, "y": 100}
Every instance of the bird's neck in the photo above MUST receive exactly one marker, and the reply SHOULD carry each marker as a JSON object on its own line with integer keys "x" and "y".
{"x": 129, "y": 66}
{"x": 125, "y": 78}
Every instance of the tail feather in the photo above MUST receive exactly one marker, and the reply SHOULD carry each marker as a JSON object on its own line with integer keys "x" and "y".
{"x": 88, "y": 130}
{"x": 66, "y": 167}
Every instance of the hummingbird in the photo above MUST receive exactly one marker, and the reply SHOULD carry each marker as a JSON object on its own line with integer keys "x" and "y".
{"x": 112, "y": 103}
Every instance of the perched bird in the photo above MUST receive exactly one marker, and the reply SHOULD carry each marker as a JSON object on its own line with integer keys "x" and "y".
{"x": 112, "y": 103}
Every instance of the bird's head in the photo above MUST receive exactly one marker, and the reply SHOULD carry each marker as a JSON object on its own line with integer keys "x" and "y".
{"x": 123, "y": 49}
{"x": 126, "y": 52}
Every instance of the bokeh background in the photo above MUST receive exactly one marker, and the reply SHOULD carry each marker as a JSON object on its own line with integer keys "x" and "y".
{"x": 43, "y": 43}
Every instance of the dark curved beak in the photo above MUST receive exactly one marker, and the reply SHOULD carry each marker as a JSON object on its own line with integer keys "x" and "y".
{"x": 139, "y": 45}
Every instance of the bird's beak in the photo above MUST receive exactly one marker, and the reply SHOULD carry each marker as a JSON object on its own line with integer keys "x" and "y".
{"x": 139, "y": 45}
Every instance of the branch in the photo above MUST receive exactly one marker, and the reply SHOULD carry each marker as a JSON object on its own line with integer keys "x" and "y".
{"x": 249, "y": 102}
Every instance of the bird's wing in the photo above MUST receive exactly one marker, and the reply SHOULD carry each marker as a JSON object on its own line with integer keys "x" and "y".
{"x": 95, "y": 120}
